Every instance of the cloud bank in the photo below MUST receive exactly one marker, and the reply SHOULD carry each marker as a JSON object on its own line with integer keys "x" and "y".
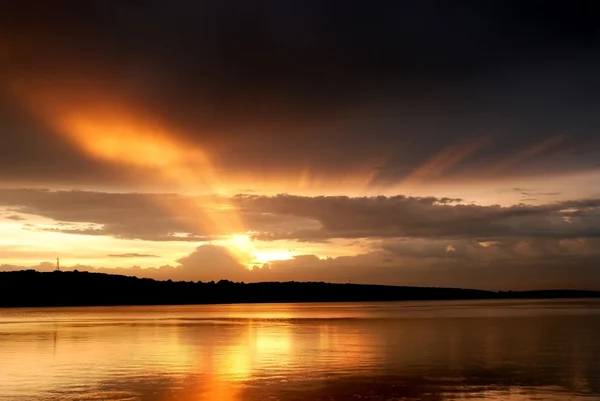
{"x": 404, "y": 240}
{"x": 166, "y": 217}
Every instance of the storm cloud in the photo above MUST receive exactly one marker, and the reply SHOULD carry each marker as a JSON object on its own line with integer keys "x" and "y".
{"x": 439, "y": 91}
{"x": 428, "y": 217}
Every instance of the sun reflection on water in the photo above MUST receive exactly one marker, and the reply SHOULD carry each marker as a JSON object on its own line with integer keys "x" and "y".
{"x": 291, "y": 352}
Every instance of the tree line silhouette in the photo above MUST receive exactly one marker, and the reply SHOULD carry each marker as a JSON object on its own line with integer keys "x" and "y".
{"x": 32, "y": 288}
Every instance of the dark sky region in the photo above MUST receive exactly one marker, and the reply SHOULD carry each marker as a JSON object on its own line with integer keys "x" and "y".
{"x": 447, "y": 143}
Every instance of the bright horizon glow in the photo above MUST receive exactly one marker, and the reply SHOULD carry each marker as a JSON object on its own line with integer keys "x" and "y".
{"x": 155, "y": 157}
{"x": 251, "y": 256}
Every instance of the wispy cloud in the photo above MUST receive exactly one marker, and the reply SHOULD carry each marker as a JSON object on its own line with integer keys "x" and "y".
{"x": 15, "y": 217}
{"x": 132, "y": 255}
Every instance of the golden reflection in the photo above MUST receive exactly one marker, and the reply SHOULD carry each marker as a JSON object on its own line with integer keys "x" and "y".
{"x": 225, "y": 352}
{"x": 231, "y": 365}
{"x": 273, "y": 342}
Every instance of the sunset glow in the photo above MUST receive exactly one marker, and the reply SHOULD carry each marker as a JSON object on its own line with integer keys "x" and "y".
{"x": 285, "y": 157}
{"x": 234, "y": 200}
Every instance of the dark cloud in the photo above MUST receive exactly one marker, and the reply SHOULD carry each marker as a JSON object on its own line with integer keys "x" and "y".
{"x": 269, "y": 84}
{"x": 426, "y": 217}
{"x": 528, "y": 195}
{"x": 165, "y": 217}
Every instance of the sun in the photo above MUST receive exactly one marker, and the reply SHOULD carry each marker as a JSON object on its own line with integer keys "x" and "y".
{"x": 266, "y": 256}
{"x": 242, "y": 241}
{"x": 256, "y": 253}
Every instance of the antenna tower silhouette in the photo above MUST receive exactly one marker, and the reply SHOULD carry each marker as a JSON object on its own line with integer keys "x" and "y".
{"x": 57, "y": 264}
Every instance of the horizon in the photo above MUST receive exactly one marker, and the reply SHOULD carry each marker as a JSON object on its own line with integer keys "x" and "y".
{"x": 110, "y": 272}
{"x": 414, "y": 145}
{"x": 31, "y": 289}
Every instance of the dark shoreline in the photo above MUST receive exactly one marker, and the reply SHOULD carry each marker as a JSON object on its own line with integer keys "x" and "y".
{"x": 30, "y": 288}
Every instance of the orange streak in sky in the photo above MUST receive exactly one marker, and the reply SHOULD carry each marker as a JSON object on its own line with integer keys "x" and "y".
{"x": 127, "y": 141}
{"x": 114, "y": 133}
{"x": 525, "y": 154}
{"x": 442, "y": 161}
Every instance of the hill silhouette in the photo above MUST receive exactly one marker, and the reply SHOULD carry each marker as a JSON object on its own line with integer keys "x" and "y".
{"x": 31, "y": 288}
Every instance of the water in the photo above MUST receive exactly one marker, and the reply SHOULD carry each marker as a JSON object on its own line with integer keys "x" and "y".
{"x": 488, "y": 350}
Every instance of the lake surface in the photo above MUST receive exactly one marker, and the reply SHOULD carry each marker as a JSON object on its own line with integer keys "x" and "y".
{"x": 488, "y": 350}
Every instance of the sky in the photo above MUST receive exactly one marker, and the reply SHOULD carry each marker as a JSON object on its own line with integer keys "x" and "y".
{"x": 430, "y": 143}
